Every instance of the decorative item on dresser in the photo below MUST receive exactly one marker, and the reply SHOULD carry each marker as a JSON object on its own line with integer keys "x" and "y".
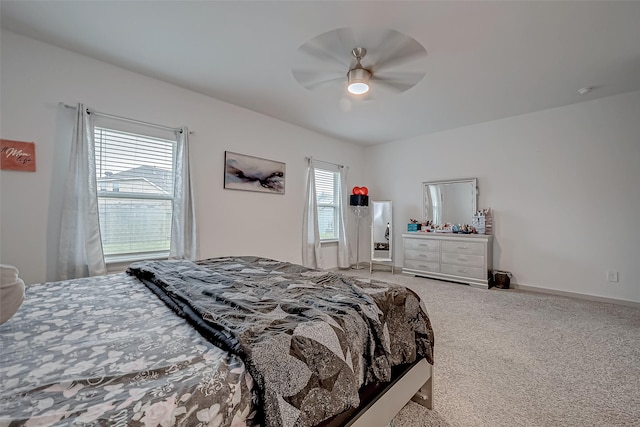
{"x": 458, "y": 258}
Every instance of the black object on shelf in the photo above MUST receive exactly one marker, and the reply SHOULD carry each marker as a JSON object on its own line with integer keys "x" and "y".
{"x": 358, "y": 200}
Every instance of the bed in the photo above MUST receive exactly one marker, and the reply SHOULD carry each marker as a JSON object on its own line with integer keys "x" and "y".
{"x": 226, "y": 341}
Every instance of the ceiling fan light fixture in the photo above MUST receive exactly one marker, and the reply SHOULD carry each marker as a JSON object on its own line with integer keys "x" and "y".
{"x": 358, "y": 81}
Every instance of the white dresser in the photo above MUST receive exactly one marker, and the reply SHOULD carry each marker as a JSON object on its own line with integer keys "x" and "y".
{"x": 465, "y": 258}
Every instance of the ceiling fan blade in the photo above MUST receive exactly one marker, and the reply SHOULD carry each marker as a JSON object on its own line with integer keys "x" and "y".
{"x": 321, "y": 54}
{"x": 313, "y": 79}
{"x": 398, "y": 82}
{"x": 334, "y": 45}
{"x": 348, "y": 43}
{"x": 325, "y": 83}
{"x": 412, "y": 77}
{"x": 397, "y": 49}
{"x": 397, "y": 87}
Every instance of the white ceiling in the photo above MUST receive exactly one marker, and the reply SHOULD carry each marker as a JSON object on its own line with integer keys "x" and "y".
{"x": 486, "y": 60}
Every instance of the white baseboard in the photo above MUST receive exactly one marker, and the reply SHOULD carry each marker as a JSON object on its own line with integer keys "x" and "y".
{"x": 538, "y": 289}
{"x": 528, "y": 288}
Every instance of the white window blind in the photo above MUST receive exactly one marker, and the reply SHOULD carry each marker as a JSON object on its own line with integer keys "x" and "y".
{"x": 328, "y": 202}
{"x": 135, "y": 175}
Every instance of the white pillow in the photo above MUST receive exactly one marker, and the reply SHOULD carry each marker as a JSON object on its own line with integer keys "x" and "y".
{"x": 11, "y": 292}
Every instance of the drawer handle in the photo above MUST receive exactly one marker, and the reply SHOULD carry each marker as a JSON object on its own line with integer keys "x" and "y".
{"x": 462, "y": 270}
{"x": 424, "y": 266}
{"x": 463, "y": 247}
{"x": 423, "y": 255}
{"x": 462, "y": 259}
{"x": 422, "y": 244}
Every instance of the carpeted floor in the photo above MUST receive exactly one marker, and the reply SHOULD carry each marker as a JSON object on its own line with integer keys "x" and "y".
{"x": 511, "y": 358}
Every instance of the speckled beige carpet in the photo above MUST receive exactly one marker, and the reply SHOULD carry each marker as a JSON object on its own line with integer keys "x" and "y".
{"x": 511, "y": 358}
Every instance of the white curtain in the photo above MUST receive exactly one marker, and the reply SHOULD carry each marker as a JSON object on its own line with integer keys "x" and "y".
{"x": 343, "y": 245}
{"x": 311, "y": 251}
{"x": 80, "y": 248}
{"x": 183, "y": 221}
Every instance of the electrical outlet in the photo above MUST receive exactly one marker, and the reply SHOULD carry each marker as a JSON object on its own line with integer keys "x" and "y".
{"x": 612, "y": 276}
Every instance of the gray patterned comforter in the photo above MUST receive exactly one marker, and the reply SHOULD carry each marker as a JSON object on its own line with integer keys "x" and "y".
{"x": 309, "y": 338}
{"x": 105, "y": 351}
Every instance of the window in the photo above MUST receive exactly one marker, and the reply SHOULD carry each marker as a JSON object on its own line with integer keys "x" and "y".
{"x": 135, "y": 175}
{"x": 328, "y": 201}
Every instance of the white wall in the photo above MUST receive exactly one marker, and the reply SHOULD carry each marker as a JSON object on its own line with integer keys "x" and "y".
{"x": 37, "y": 76}
{"x": 564, "y": 185}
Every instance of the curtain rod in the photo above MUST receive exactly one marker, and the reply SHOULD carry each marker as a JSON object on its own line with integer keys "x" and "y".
{"x": 308, "y": 159}
{"x": 112, "y": 116}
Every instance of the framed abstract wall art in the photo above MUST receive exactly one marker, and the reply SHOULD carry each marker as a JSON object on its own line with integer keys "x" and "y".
{"x": 249, "y": 173}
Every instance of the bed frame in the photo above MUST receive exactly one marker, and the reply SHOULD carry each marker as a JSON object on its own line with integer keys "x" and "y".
{"x": 380, "y": 404}
{"x": 414, "y": 384}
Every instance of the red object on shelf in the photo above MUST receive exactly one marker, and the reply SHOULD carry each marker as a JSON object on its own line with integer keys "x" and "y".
{"x": 360, "y": 191}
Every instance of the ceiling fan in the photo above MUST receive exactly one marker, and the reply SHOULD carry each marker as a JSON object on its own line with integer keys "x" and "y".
{"x": 360, "y": 61}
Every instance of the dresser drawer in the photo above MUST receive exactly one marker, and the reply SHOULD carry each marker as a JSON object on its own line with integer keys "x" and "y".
{"x": 463, "y": 260}
{"x": 458, "y": 270}
{"x": 422, "y": 245}
{"x": 467, "y": 248}
{"x": 421, "y": 255}
{"x": 422, "y": 265}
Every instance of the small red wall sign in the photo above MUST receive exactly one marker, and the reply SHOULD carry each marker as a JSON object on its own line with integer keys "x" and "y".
{"x": 17, "y": 155}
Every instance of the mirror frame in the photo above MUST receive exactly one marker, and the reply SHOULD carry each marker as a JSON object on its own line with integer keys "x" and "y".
{"x": 426, "y": 199}
{"x": 381, "y": 203}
